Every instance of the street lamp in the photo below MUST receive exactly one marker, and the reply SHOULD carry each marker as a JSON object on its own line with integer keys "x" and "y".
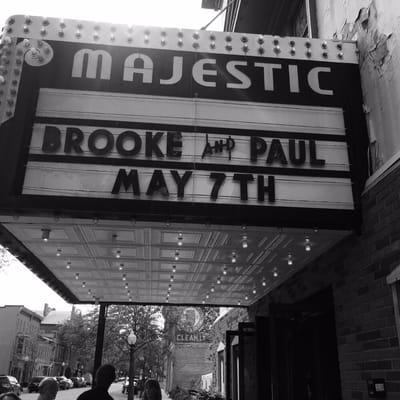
{"x": 131, "y": 341}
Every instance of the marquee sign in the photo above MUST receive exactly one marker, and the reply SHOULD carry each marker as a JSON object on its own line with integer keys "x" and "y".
{"x": 190, "y": 124}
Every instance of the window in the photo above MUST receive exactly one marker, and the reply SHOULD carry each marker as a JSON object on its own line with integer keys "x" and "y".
{"x": 221, "y": 372}
{"x": 20, "y": 345}
{"x": 393, "y": 280}
{"x": 302, "y": 19}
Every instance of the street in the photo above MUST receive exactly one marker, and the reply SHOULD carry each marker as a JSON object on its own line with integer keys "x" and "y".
{"x": 72, "y": 394}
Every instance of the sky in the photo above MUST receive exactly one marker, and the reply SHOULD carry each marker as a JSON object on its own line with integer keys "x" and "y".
{"x": 18, "y": 285}
{"x": 169, "y": 13}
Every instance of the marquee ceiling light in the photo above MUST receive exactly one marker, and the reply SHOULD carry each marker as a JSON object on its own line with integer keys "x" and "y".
{"x": 254, "y": 291}
{"x": 77, "y": 276}
{"x": 212, "y": 289}
{"x": 124, "y": 277}
{"x": 246, "y": 297}
{"x": 207, "y": 296}
{"x": 307, "y": 247}
{"x": 233, "y": 257}
{"x": 118, "y": 254}
{"x": 68, "y": 266}
{"x": 126, "y": 285}
{"x": 264, "y": 282}
{"x": 290, "y": 259}
{"x": 171, "y": 279}
{"x": 224, "y": 271}
{"x": 244, "y": 241}
{"x": 121, "y": 267}
{"x": 46, "y": 234}
{"x": 219, "y": 280}
{"x": 180, "y": 239}
{"x": 174, "y": 268}
{"x": 89, "y": 292}
{"x": 275, "y": 272}
{"x": 203, "y": 302}
{"x": 58, "y": 254}
{"x": 176, "y": 258}
{"x": 83, "y": 284}
{"x": 239, "y": 303}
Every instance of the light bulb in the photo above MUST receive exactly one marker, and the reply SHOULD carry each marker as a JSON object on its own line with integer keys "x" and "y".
{"x": 46, "y": 234}
{"x": 180, "y": 239}
{"x": 244, "y": 241}
{"x": 68, "y": 266}
{"x": 212, "y": 289}
{"x": 174, "y": 269}
{"x": 58, "y": 254}
{"x": 218, "y": 281}
{"x": 118, "y": 254}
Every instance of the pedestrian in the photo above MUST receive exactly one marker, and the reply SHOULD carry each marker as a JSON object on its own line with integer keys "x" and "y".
{"x": 152, "y": 390}
{"x": 105, "y": 376}
{"x": 9, "y": 396}
{"x": 48, "y": 388}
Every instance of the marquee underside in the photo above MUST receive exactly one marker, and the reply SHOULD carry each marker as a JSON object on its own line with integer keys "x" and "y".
{"x": 133, "y": 262}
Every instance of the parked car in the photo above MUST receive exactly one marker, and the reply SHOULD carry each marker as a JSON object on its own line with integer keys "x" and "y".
{"x": 78, "y": 381}
{"x": 125, "y": 385}
{"x": 9, "y": 384}
{"x": 33, "y": 385}
{"x": 88, "y": 378}
{"x": 63, "y": 382}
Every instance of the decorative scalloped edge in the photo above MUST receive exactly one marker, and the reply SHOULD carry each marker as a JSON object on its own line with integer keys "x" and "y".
{"x": 35, "y": 52}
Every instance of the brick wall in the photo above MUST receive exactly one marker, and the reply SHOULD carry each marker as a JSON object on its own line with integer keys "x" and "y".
{"x": 356, "y": 269}
{"x": 229, "y": 321}
{"x": 190, "y": 362}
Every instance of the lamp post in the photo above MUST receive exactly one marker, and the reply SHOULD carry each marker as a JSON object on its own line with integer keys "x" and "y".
{"x": 25, "y": 372}
{"x": 131, "y": 341}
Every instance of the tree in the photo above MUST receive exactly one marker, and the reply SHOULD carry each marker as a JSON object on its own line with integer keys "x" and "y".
{"x": 5, "y": 257}
{"x": 79, "y": 334}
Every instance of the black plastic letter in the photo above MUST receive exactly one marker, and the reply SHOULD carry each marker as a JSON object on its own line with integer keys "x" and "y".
{"x": 121, "y": 140}
{"x": 270, "y": 189}
{"x": 181, "y": 181}
{"x": 157, "y": 184}
{"x": 243, "y": 179}
{"x": 51, "y": 139}
{"x": 93, "y": 139}
{"x": 73, "y": 140}
{"x": 127, "y": 180}
{"x": 219, "y": 180}
{"x": 257, "y": 147}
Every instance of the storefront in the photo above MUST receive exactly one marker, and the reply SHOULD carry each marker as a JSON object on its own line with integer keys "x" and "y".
{"x": 166, "y": 166}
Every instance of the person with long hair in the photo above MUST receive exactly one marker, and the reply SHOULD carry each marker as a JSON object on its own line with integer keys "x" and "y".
{"x": 152, "y": 390}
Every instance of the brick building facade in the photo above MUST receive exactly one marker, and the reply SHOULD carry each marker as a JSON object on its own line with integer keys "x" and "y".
{"x": 357, "y": 280}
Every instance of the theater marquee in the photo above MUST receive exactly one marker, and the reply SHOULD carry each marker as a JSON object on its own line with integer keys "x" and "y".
{"x": 181, "y": 123}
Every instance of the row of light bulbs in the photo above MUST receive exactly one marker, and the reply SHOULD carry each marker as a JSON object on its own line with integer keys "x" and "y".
{"x": 244, "y": 242}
